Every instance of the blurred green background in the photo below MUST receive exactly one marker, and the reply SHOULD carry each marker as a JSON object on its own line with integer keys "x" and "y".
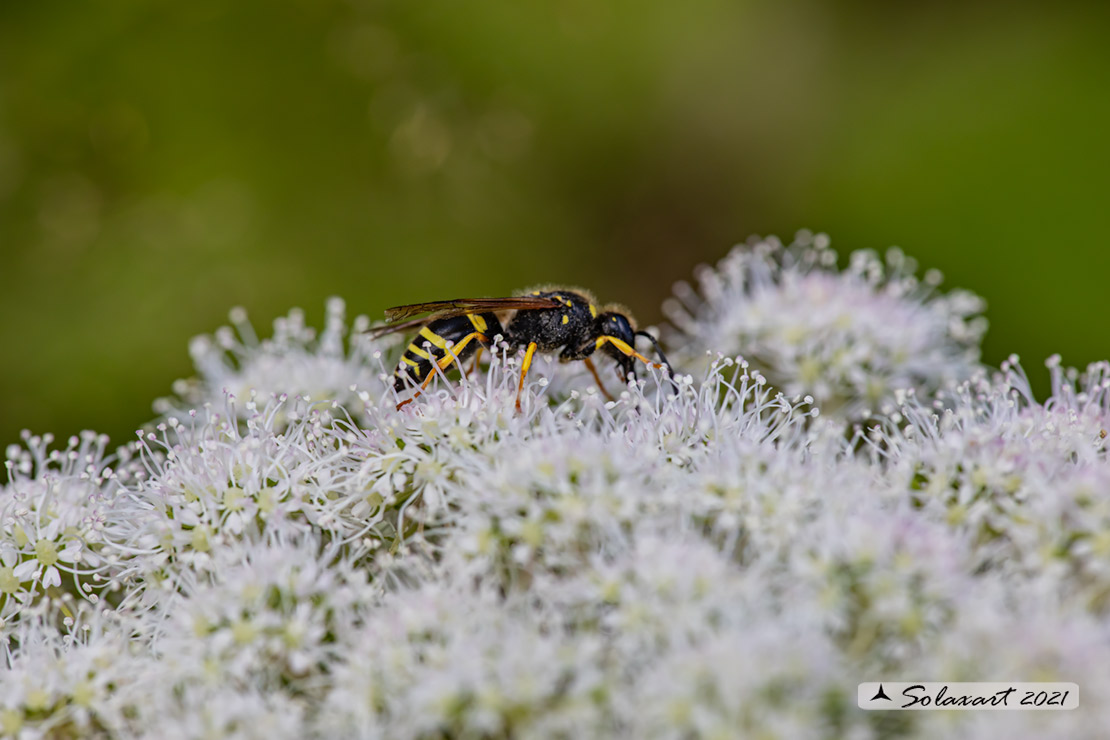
{"x": 161, "y": 162}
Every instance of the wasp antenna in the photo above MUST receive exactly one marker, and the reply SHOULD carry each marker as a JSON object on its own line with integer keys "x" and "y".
{"x": 658, "y": 351}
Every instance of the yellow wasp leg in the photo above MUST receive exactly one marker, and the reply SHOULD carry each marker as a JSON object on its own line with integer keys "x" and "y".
{"x": 626, "y": 349}
{"x": 453, "y": 353}
{"x": 445, "y": 362}
{"x": 593, "y": 372}
{"x": 524, "y": 371}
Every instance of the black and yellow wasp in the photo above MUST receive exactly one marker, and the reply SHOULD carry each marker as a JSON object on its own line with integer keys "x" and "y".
{"x": 548, "y": 321}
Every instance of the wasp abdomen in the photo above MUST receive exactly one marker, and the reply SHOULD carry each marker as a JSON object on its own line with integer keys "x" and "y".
{"x": 464, "y": 333}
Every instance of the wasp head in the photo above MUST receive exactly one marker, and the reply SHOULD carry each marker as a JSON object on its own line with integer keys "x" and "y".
{"x": 618, "y": 326}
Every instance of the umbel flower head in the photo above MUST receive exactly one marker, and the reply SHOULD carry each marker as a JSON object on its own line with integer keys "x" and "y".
{"x": 53, "y": 513}
{"x": 1026, "y": 482}
{"x": 850, "y": 337}
{"x": 297, "y": 361}
{"x": 288, "y": 554}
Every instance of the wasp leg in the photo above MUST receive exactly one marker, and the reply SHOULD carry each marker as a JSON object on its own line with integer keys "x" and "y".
{"x": 445, "y": 362}
{"x": 454, "y": 352}
{"x": 593, "y": 372}
{"x": 625, "y": 349}
{"x": 524, "y": 371}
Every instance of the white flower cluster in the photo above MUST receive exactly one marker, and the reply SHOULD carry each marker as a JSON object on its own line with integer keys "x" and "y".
{"x": 1026, "y": 483}
{"x": 286, "y": 554}
{"x": 850, "y": 337}
{"x": 295, "y": 361}
{"x": 52, "y": 519}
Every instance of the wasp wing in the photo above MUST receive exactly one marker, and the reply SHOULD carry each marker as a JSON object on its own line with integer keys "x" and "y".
{"x": 460, "y": 306}
{"x": 380, "y": 331}
{"x": 400, "y": 317}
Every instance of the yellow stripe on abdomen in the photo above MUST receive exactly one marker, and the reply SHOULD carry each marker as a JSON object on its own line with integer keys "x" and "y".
{"x": 418, "y": 352}
{"x": 434, "y": 338}
{"x": 414, "y": 365}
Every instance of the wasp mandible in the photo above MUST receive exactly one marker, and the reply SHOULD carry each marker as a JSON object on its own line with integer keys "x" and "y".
{"x": 554, "y": 320}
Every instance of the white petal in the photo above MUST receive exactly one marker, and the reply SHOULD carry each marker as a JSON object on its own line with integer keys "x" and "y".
{"x": 24, "y": 570}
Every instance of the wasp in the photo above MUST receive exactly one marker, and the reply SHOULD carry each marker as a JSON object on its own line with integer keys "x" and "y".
{"x": 556, "y": 320}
